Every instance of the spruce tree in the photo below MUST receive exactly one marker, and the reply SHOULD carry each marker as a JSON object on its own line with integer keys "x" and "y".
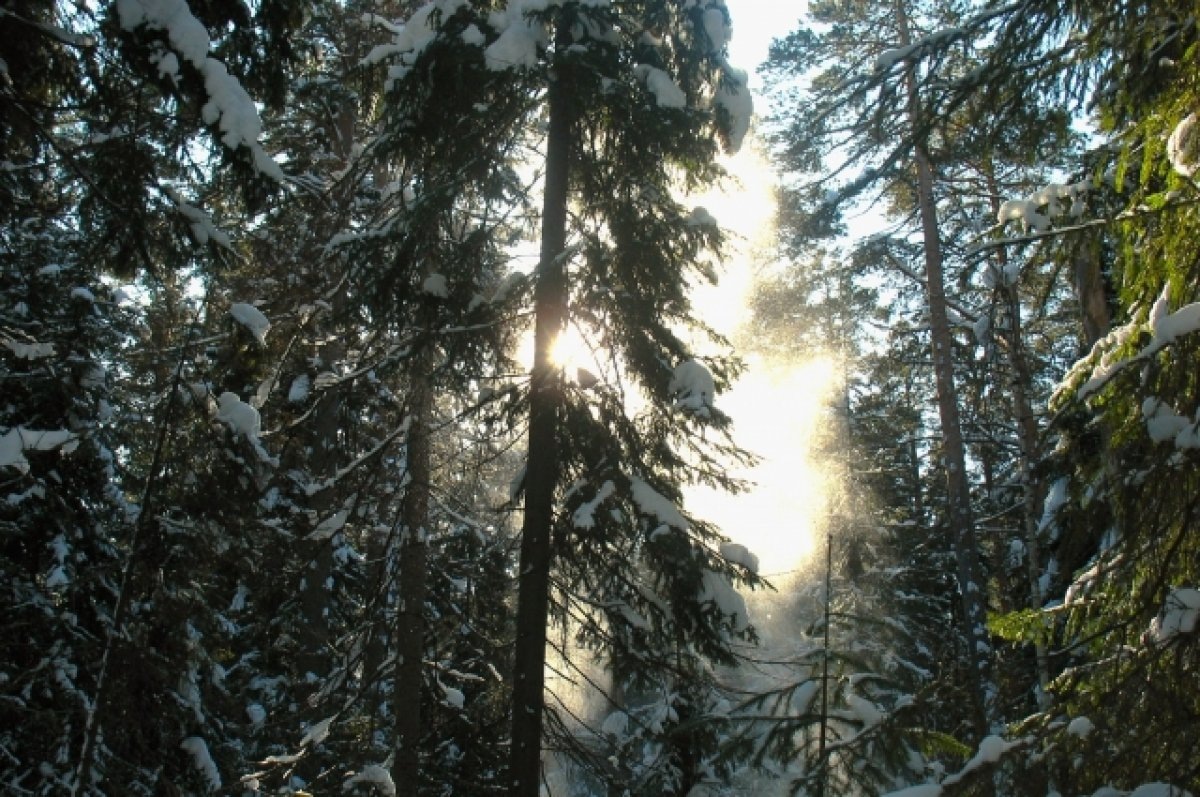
{"x": 855, "y": 702}
{"x": 1120, "y": 539}
{"x": 634, "y": 99}
{"x": 141, "y": 118}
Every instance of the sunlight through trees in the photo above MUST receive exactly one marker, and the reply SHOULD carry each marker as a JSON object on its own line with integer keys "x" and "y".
{"x": 517, "y": 397}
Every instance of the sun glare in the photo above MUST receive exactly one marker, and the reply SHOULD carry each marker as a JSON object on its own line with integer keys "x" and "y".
{"x": 745, "y": 209}
{"x": 779, "y": 409}
{"x": 570, "y": 351}
{"x": 779, "y": 414}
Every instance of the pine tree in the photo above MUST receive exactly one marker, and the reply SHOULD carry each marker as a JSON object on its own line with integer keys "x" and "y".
{"x": 888, "y": 89}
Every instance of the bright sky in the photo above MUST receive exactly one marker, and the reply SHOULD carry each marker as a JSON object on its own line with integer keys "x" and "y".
{"x": 755, "y": 24}
{"x": 776, "y": 407}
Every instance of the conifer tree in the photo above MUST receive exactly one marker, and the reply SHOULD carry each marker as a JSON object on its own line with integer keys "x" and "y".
{"x": 648, "y": 93}
{"x": 1033, "y": 50}
{"x": 886, "y": 89}
{"x": 156, "y": 145}
{"x": 1119, "y": 539}
{"x": 871, "y": 720}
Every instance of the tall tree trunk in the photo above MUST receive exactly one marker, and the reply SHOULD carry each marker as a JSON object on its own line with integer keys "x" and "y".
{"x": 542, "y": 461}
{"x": 313, "y": 655}
{"x": 410, "y": 614}
{"x": 958, "y": 496}
{"x": 327, "y": 447}
{"x": 1033, "y": 489}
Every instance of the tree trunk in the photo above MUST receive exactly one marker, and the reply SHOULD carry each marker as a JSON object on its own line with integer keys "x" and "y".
{"x": 958, "y": 497}
{"x": 542, "y": 462}
{"x": 410, "y": 613}
{"x": 327, "y": 448}
{"x": 1091, "y": 293}
{"x": 1033, "y": 489}
{"x": 313, "y": 636}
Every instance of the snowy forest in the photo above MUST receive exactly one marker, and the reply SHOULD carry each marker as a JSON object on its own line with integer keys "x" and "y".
{"x": 355, "y": 395}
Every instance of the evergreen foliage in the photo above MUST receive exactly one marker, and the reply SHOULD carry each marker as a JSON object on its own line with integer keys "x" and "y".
{"x": 285, "y": 511}
{"x": 1053, "y": 253}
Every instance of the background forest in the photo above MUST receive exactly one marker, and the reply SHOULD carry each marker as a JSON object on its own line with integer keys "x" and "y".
{"x": 303, "y": 494}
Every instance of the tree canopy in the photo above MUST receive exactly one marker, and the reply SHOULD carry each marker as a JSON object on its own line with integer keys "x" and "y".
{"x": 301, "y": 494}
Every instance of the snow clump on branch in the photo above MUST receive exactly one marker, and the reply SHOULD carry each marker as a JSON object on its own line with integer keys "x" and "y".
{"x": 716, "y": 26}
{"x": 374, "y": 775}
{"x": 229, "y": 107}
{"x": 199, "y": 222}
{"x": 738, "y": 554}
{"x": 17, "y": 440}
{"x": 410, "y": 39}
{"x": 693, "y": 387}
{"x": 202, "y": 760}
{"x": 666, "y": 93}
{"x": 734, "y": 98}
{"x": 252, "y": 319}
{"x": 1183, "y": 147}
{"x": 520, "y": 37}
{"x": 1179, "y": 614}
{"x": 239, "y": 416}
{"x": 1029, "y": 211}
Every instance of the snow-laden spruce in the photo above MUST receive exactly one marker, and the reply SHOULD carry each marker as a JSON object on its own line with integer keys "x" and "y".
{"x": 229, "y": 107}
{"x": 16, "y": 441}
